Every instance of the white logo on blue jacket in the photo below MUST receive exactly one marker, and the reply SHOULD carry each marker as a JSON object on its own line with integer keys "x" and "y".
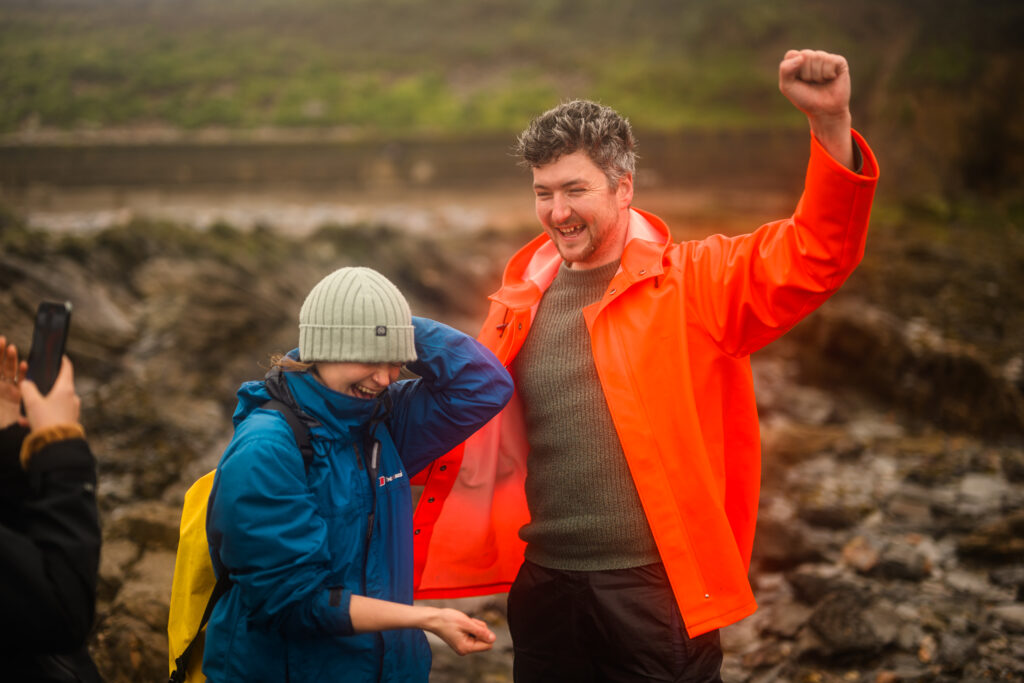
{"x": 384, "y": 480}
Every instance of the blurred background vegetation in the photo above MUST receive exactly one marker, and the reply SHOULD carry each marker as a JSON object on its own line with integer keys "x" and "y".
{"x": 944, "y": 74}
{"x": 400, "y": 65}
{"x": 462, "y": 64}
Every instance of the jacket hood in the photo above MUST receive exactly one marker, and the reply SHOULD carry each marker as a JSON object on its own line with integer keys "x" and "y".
{"x": 325, "y": 410}
{"x": 251, "y": 395}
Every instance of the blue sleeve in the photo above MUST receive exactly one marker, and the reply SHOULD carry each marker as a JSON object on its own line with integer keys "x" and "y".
{"x": 265, "y": 528}
{"x": 461, "y": 386}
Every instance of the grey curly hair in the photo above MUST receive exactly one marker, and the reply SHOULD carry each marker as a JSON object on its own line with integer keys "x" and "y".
{"x": 600, "y": 131}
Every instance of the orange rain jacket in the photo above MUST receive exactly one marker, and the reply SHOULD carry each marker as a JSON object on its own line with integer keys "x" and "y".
{"x": 671, "y": 338}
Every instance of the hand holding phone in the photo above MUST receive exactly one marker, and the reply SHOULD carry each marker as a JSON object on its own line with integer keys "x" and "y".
{"x": 60, "y": 407}
{"x": 48, "y": 340}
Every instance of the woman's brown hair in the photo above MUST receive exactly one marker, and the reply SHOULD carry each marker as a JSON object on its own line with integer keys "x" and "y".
{"x": 289, "y": 364}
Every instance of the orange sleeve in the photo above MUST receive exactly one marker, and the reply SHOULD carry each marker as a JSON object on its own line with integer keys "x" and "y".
{"x": 749, "y": 290}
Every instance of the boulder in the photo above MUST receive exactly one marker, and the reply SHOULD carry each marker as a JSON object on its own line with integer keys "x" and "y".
{"x": 1001, "y": 539}
{"x": 783, "y": 543}
{"x": 128, "y": 649}
{"x": 1009, "y": 618}
{"x": 849, "y": 622}
{"x": 812, "y": 582}
{"x": 149, "y": 525}
{"x": 900, "y": 559}
{"x": 909, "y": 364}
{"x": 146, "y": 592}
{"x": 117, "y": 556}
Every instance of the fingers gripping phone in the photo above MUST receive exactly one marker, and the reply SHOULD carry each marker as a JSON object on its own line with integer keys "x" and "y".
{"x": 48, "y": 340}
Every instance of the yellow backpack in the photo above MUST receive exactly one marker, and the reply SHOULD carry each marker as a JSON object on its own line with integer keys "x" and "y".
{"x": 195, "y": 588}
{"x": 192, "y": 588}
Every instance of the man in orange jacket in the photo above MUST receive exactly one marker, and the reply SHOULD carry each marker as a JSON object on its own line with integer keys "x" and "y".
{"x": 624, "y": 539}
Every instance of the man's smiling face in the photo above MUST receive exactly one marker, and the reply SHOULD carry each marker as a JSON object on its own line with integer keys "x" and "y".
{"x": 584, "y": 216}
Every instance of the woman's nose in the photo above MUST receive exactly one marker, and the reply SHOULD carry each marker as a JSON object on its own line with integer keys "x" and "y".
{"x": 385, "y": 374}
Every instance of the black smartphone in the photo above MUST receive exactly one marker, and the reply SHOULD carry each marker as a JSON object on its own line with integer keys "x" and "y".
{"x": 48, "y": 340}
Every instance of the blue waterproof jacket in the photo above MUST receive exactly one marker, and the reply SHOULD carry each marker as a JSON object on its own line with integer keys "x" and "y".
{"x": 297, "y": 546}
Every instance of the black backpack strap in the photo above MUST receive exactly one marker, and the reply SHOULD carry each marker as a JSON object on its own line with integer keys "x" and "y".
{"x": 299, "y": 429}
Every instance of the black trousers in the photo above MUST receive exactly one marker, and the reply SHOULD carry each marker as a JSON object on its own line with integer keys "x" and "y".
{"x": 596, "y": 626}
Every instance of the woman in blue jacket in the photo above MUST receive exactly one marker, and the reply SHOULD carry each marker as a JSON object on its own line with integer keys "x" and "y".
{"x": 320, "y": 558}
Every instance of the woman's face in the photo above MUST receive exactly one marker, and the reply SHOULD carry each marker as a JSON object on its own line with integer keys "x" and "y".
{"x": 361, "y": 380}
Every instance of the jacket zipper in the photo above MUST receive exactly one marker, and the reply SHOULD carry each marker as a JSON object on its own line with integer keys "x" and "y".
{"x": 360, "y": 457}
{"x": 371, "y": 474}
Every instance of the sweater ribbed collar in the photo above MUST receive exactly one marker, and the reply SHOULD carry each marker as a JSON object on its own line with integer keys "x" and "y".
{"x": 601, "y": 275}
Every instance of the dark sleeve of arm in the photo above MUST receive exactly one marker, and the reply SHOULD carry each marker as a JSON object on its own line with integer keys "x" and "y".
{"x": 462, "y": 387}
{"x": 13, "y": 481}
{"x": 50, "y": 556}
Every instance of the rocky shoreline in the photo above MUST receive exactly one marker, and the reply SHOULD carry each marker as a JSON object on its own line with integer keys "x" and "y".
{"x": 890, "y": 543}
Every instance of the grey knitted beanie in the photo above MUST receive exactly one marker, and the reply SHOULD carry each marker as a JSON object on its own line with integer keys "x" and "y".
{"x": 356, "y": 314}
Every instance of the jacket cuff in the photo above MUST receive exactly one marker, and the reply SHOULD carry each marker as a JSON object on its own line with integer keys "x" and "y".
{"x": 339, "y": 602}
{"x": 37, "y": 440}
{"x": 863, "y": 158}
{"x": 11, "y": 438}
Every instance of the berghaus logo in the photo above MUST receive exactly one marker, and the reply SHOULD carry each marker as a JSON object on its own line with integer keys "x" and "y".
{"x": 384, "y": 480}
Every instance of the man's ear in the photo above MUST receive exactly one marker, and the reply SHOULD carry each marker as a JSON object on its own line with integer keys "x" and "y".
{"x": 624, "y": 192}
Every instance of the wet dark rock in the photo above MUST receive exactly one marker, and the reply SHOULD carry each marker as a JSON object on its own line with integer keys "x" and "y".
{"x": 787, "y": 442}
{"x": 938, "y": 462}
{"x": 193, "y": 321}
{"x": 783, "y": 543}
{"x": 905, "y": 669}
{"x": 150, "y": 525}
{"x": 116, "y": 558}
{"x": 1010, "y": 577}
{"x": 811, "y": 583}
{"x": 150, "y": 436}
{"x": 911, "y": 365}
{"x": 832, "y": 516}
{"x": 955, "y": 649}
{"x": 786, "y": 619}
{"x": 999, "y": 540}
{"x": 1009, "y": 618}
{"x": 862, "y": 554}
{"x": 103, "y": 329}
{"x": 901, "y": 560}
{"x": 1013, "y": 465}
{"x": 766, "y": 656}
{"x": 135, "y": 589}
{"x": 911, "y": 507}
{"x": 129, "y": 649}
{"x": 847, "y": 623}
{"x": 144, "y": 594}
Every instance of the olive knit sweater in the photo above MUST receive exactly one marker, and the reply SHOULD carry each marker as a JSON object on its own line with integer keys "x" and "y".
{"x": 584, "y": 508}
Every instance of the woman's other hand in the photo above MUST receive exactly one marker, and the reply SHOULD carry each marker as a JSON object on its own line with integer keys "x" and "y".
{"x": 462, "y": 633}
{"x": 10, "y": 392}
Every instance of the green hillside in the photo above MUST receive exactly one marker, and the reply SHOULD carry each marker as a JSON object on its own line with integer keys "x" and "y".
{"x": 451, "y": 66}
{"x": 940, "y": 83}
